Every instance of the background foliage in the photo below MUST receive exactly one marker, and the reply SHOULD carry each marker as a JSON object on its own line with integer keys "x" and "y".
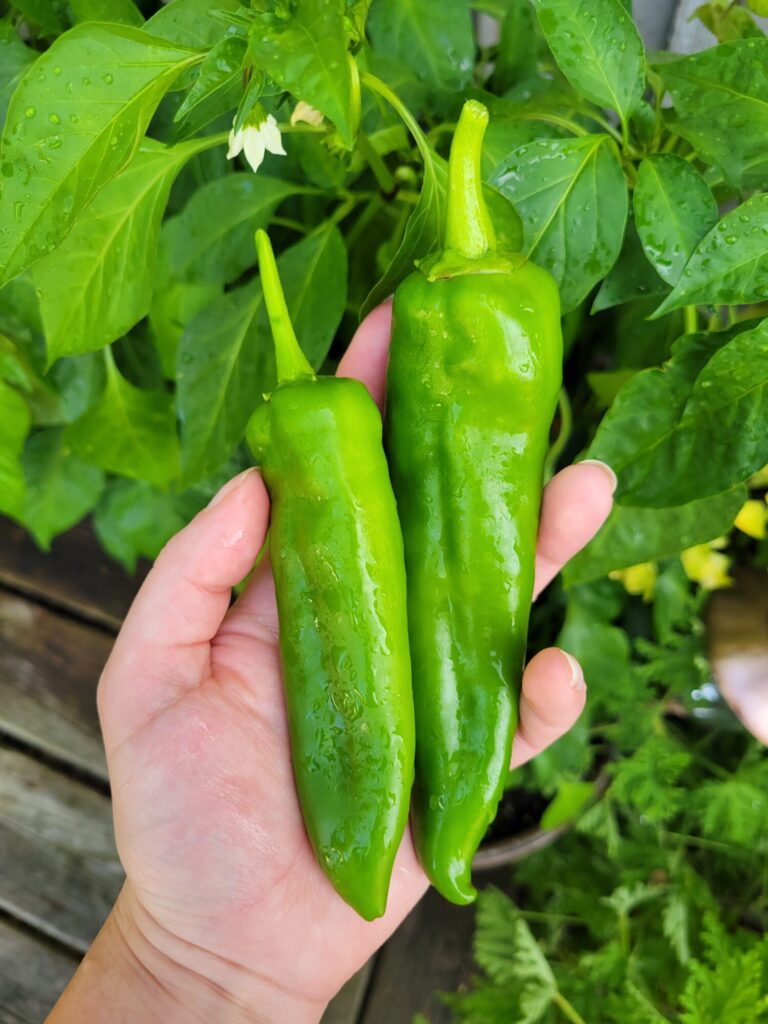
{"x": 134, "y": 345}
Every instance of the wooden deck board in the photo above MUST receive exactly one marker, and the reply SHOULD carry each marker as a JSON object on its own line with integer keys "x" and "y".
{"x": 60, "y": 872}
{"x": 345, "y": 1008}
{"x": 49, "y": 668}
{"x": 74, "y": 575}
{"x": 33, "y": 973}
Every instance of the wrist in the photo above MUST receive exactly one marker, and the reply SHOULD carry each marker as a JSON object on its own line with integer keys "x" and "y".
{"x": 135, "y": 972}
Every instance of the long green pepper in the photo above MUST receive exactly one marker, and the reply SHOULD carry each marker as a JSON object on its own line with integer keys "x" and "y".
{"x": 337, "y": 558}
{"x": 473, "y": 379}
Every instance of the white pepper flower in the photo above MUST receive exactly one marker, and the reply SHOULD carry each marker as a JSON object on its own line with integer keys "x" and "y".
{"x": 256, "y": 139}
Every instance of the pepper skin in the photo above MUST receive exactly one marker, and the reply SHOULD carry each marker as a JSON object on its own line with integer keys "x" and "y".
{"x": 474, "y": 374}
{"x": 337, "y": 558}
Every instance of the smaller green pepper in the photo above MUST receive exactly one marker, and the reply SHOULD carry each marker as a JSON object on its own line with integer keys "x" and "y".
{"x": 337, "y": 558}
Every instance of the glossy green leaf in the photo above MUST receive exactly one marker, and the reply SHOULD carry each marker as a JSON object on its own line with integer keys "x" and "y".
{"x": 15, "y": 57}
{"x": 226, "y": 358}
{"x": 504, "y": 135}
{"x": 48, "y": 17}
{"x": 174, "y": 304}
{"x": 216, "y": 89}
{"x": 631, "y": 277}
{"x": 123, "y": 11}
{"x": 674, "y": 209}
{"x": 61, "y": 488}
{"x": 431, "y": 37}
{"x": 730, "y": 264}
{"x": 305, "y": 52}
{"x": 695, "y": 426}
{"x": 572, "y": 197}
{"x": 75, "y": 120}
{"x": 191, "y": 23}
{"x": 728, "y": 22}
{"x": 634, "y": 535}
{"x": 598, "y": 49}
{"x": 721, "y": 102}
{"x": 134, "y": 520}
{"x": 87, "y": 300}
{"x": 14, "y": 426}
{"x": 129, "y": 431}
{"x": 212, "y": 238}
{"x": 422, "y": 235}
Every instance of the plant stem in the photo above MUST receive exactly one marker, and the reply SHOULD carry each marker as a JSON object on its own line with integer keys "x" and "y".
{"x": 468, "y": 227}
{"x": 292, "y": 364}
{"x": 564, "y": 433}
{"x": 555, "y": 119}
{"x": 567, "y": 1010}
{"x": 381, "y": 172}
{"x": 292, "y": 225}
{"x": 376, "y": 85}
{"x": 690, "y": 320}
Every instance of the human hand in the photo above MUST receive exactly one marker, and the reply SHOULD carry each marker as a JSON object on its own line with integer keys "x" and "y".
{"x": 224, "y": 903}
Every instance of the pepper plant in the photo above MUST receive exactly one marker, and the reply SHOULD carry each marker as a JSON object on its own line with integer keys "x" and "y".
{"x": 144, "y": 143}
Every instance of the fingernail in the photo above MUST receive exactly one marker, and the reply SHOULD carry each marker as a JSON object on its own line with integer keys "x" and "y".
{"x": 576, "y": 682}
{"x": 606, "y": 469}
{"x": 230, "y": 486}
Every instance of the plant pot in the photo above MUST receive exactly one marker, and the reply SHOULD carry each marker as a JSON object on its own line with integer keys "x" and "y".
{"x": 496, "y": 852}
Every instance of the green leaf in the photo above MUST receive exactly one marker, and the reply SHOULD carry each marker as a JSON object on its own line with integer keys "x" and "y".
{"x": 134, "y": 520}
{"x": 212, "y": 238}
{"x": 422, "y": 235}
{"x": 734, "y": 810}
{"x": 14, "y": 426}
{"x": 504, "y": 946}
{"x": 192, "y": 23}
{"x": 695, "y": 426}
{"x": 61, "y": 488}
{"x": 625, "y": 898}
{"x": 217, "y": 87}
{"x": 49, "y": 17}
{"x": 15, "y": 57}
{"x": 75, "y": 120}
{"x": 730, "y": 264}
{"x": 226, "y": 359}
{"x": 674, "y": 210}
{"x": 634, "y": 535}
{"x": 570, "y": 800}
{"x": 572, "y": 197}
{"x": 174, "y": 304}
{"x": 431, "y": 37}
{"x": 676, "y": 925}
{"x": 727, "y": 23}
{"x": 730, "y": 989}
{"x": 760, "y": 7}
{"x": 598, "y": 49}
{"x": 129, "y": 431}
{"x": 123, "y": 11}
{"x": 631, "y": 277}
{"x": 87, "y": 299}
{"x": 304, "y": 49}
{"x": 721, "y": 102}
{"x": 647, "y": 780}
{"x": 504, "y": 135}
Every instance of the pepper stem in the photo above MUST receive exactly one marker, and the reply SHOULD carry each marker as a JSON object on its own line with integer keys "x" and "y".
{"x": 468, "y": 227}
{"x": 291, "y": 361}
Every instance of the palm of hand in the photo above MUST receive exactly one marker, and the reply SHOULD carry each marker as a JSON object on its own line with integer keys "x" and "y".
{"x": 207, "y": 820}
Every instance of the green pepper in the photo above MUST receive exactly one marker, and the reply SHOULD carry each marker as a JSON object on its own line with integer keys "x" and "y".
{"x": 337, "y": 558}
{"x": 474, "y": 374}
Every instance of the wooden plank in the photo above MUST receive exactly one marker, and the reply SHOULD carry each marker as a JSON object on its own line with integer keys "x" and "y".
{"x": 345, "y": 1008}
{"x": 60, "y": 871}
{"x": 33, "y": 974}
{"x": 49, "y": 668}
{"x": 75, "y": 574}
{"x": 431, "y": 952}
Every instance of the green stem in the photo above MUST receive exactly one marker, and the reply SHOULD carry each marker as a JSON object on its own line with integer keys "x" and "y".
{"x": 468, "y": 227}
{"x": 292, "y": 364}
{"x": 555, "y": 119}
{"x": 568, "y": 1011}
{"x": 292, "y": 225}
{"x": 381, "y": 172}
{"x": 376, "y": 85}
{"x": 566, "y": 426}
{"x": 690, "y": 320}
